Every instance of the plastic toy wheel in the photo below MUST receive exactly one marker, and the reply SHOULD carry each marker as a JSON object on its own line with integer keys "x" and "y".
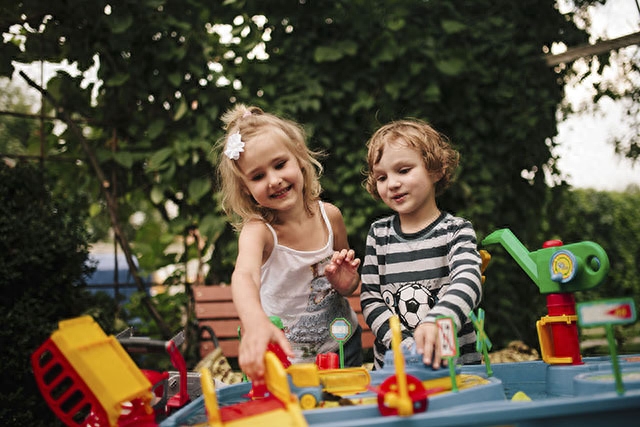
{"x": 308, "y": 401}
{"x": 417, "y": 394}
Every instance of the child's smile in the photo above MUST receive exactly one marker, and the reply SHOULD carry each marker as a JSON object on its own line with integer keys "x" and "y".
{"x": 270, "y": 171}
{"x": 282, "y": 193}
{"x": 399, "y": 197}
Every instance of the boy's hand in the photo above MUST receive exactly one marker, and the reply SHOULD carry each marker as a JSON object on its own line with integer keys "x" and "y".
{"x": 342, "y": 272}
{"x": 253, "y": 347}
{"x": 426, "y": 337}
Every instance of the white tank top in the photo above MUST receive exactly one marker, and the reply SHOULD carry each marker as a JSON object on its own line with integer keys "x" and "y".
{"x": 294, "y": 288}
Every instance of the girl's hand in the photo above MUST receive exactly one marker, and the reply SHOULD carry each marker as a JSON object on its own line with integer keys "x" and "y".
{"x": 426, "y": 337}
{"x": 342, "y": 272}
{"x": 253, "y": 347}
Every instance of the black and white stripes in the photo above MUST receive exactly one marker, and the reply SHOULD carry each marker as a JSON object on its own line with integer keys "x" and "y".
{"x": 443, "y": 259}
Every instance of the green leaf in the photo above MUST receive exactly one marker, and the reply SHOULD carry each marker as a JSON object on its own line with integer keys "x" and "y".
{"x": 385, "y": 54}
{"x": 95, "y": 209}
{"x": 349, "y": 47}
{"x": 450, "y": 67}
{"x": 117, "y": 80}
{"x": 394, "y": 88}
{"x": 158, "y": 159}
{"x": 155, "y": 129}
{"x": 452, "y": 27}
{"x": 182, "y": 109}
{"x": 363, "y": 101}
{"x": 198, "y": 188}
{"x": 175, "y": 79}
{"x": 182, "y": 158}
{"x": 124, "y": 158}
{"x": 335, "y": 52}
{"x": 202, "y": 125}
{"x": 396, "y": 24}
{"x": 156, "y": 195}
{"x": 212, "y": 225}
{"x": 326, "y": 54}
{"x": 119, "y": 23}
{"x": 432, "y": 93}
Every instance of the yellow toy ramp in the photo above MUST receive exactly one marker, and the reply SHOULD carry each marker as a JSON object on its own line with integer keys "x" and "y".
{"x": 103, "y": 364}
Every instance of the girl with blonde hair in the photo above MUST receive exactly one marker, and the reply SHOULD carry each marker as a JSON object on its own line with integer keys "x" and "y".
{"x": 294, "y": 260}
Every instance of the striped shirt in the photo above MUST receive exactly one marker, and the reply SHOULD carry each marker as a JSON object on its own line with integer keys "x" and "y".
{"x": 421, "y": 276}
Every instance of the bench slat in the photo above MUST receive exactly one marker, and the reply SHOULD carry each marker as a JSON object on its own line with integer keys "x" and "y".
{"x": 216, "y": 310}
{"x": 223, "y": 328}
{"x": 212, "y": 293}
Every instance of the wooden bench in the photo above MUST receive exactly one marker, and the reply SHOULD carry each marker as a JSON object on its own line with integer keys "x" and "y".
{"x": 215, "y": 312}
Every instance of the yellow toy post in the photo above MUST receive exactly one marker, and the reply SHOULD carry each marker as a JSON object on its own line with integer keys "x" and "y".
{"x": 278, "y": 408}
{"x": 400, "y": 399}
{"x": 210, "y": 400}
{"x": 400, "y": 394}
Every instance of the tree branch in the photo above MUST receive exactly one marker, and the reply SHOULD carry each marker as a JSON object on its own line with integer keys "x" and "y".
{"x": 592, "y": 49}
{"x": 111, "y": 206}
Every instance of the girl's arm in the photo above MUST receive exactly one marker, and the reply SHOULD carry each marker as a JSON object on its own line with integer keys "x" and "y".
{"x": 257, "y": 329}
{"x": 342, "y": 272}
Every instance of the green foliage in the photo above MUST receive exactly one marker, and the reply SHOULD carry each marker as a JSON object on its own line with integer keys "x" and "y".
{"x": 342, "y": 69}
{"x": 153, "y": 119}
{"x": 17, "y": 134}
{"x": 42, "y": 269}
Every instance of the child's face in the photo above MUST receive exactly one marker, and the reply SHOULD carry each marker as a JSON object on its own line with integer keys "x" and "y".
{"x": 270, "y": 172}
{"x": 403, "y": 182}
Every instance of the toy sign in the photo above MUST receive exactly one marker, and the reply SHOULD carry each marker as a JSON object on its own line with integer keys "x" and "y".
{"x": 340, "y": 330}
{"x": 614, "y": 311}
{"x": 608, "y": 313}
{"x": 448, "y": 338}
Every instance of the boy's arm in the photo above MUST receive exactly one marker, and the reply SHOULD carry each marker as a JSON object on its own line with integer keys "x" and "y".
{"x": 374, "y": 309}
{"x": 465, "y": 290}
{"x": 462, "y": 296}
{"x": 257, "y": 329}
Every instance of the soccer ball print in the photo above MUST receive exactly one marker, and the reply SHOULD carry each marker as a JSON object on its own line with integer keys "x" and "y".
{"x": 413, "y": 302}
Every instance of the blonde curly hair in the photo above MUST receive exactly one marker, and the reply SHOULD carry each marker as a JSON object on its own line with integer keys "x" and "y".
{"x": 250, "y": 122}
{"x": 434, "y": 148}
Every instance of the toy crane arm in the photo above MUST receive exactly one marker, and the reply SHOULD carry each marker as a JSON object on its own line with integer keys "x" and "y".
{"x": 557, "y": 269}
{"x": 516, "y": 249}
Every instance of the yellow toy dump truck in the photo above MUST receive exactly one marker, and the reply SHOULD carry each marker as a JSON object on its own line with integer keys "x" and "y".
{"x": 308, "y": 382}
